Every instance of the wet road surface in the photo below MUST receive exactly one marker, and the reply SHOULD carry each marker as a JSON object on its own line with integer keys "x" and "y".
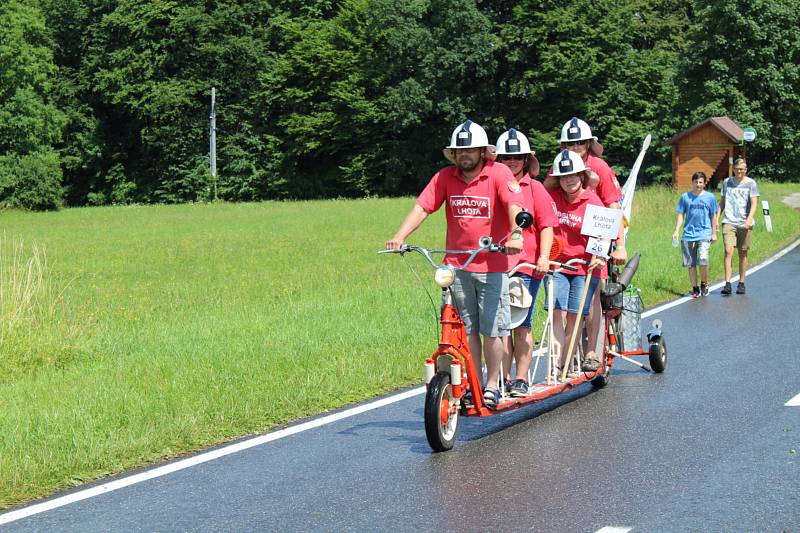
{"x": 709, "y": 445}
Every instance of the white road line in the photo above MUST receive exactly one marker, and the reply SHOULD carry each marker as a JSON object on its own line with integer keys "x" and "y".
{"x": 794, "y": 402}
{"x": 269, "y": 437}
{"x": 202, "y": 458}
{"x": 610, "y": 529}
{"x": 716, "y": 286}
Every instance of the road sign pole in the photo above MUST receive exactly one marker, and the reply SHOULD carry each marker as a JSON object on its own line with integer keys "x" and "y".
{"x": 212, "y": 141}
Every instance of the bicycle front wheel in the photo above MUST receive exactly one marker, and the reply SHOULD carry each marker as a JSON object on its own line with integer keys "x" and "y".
{"x": 441, "y": 413}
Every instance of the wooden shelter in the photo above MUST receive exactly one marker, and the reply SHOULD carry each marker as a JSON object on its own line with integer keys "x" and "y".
{"x": 711, "y": 147}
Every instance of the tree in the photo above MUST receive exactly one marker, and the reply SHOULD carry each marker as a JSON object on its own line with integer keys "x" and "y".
{"x": 322, "y": 98}
{"x": 136, "y": 80}
{"x": 352, "y": 96}
{"x": 30, "y": 125}
{"x": 611, "y": 63}
{"x": 742, "y": 61}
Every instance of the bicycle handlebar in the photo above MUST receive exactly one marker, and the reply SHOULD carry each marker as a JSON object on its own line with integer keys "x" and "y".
{"x": 567, "y": 265}
{"x": 489, "y": 246}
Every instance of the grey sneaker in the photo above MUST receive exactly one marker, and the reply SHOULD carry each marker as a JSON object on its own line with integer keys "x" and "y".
{"x": 519, "y": 389}
{"x": 740, "y": 288}
{"x": 704, "y": 289}
{"x": 590, "y": 365}
{"x": 726, "y": 290}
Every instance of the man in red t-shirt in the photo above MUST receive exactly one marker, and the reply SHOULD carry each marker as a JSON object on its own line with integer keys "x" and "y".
{"x": 481, "y": 198}
{"x": 577, "y": 137}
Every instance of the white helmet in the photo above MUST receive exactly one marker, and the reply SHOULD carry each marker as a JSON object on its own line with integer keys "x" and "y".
{"x": 513, "y": 142}
{"x": 576, "y": 129}
{"x": 468, "y": 135}
{"x": 566, "y": 163}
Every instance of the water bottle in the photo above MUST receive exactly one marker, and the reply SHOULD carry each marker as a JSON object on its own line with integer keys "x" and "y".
{"x": 674, "y": 242}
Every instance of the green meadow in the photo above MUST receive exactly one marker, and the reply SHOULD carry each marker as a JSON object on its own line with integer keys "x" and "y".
{"x": 133, "y": 334}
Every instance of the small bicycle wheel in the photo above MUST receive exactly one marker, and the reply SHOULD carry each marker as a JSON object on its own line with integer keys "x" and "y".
{"x": 441, "y": 413}
{"x": 658, "y": 354}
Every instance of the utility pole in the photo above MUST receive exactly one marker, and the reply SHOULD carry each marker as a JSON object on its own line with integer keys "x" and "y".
{"x": 212, "y": 140}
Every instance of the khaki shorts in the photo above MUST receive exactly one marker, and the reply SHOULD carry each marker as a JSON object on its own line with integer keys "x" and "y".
{"x": 736, "y": 237}
{"x": 483, "y": 302}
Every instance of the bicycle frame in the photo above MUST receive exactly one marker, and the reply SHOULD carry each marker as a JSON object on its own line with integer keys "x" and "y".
{"x": 453, "y": 356}
{"x": 451, "y": 373}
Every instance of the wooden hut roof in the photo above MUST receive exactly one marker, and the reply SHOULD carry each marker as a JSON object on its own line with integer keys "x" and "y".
{"x": 724, "y": 124}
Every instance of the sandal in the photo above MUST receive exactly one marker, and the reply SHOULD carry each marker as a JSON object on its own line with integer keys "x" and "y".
{"x": 491, "y": 396}
{"x": 571, "y": 374}
{"x": 467, "y": 399}
{"x": 590, "y": 365}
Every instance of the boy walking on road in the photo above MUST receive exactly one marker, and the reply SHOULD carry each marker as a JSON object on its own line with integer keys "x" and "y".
{"x": 738, "y": 203}
{"x": 697, "y": 213}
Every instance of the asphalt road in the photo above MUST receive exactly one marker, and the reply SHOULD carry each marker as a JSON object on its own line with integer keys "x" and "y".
{"x": 707, "y": 446}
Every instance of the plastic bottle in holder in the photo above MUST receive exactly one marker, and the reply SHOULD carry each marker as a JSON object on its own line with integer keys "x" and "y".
{"x": 674, "y": 242}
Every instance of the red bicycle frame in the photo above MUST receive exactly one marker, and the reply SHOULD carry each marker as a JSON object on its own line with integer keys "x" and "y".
{"x": 453, "y": 355}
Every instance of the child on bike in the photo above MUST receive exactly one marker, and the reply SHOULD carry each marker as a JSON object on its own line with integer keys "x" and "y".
{"x": 571, "y": 199}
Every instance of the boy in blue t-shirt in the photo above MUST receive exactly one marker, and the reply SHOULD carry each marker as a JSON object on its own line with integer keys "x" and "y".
{"x": 698, "y": 208}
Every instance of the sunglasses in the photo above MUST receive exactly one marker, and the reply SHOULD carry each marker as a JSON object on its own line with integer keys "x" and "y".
{"x": 576, "y": 143}
{"x": 511, "y": 158}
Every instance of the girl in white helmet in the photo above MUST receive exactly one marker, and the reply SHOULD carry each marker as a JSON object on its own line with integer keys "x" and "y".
{"x": 576, "y": 136}
{"x": 571, "y": 198}
{"x": 514, "y": 150}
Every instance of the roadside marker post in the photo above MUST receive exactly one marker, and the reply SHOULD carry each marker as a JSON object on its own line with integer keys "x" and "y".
{"x": 767, "y": 218}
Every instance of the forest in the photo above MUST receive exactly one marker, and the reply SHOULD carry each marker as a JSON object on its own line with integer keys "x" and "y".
{"x": 108, "y": 101}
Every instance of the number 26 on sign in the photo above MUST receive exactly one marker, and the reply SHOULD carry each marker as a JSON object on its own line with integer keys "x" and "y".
{"x": 595, "y": 246}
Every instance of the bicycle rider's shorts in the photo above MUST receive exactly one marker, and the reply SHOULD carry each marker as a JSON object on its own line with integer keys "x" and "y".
{"x": 567, "y": 293}
{"x": 483, "y": 302}
{"x": 533, "y": 289}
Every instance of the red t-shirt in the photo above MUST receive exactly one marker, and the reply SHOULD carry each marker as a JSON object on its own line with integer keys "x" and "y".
{"x": 538, "y": 203}
{"x": 473, "y": 210}
{"x": 607, "y": 189}
{"x": 570, "y": 220}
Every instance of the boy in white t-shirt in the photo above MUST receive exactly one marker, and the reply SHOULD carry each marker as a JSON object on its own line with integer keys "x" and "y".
{"x": 738, "y": 204}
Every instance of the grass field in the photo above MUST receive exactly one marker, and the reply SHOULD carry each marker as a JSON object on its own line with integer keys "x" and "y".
{"x": 130, "y": 334}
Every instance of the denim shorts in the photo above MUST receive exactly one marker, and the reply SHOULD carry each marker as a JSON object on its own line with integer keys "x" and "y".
{"x": 533, "y": 288}
{"x": 568, "y": 289}
{"x": 483, "y": 302}
{"x": 695, "y": 253}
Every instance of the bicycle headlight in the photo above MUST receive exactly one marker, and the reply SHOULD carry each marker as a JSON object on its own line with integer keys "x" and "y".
{"x": 444, "y": 276}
